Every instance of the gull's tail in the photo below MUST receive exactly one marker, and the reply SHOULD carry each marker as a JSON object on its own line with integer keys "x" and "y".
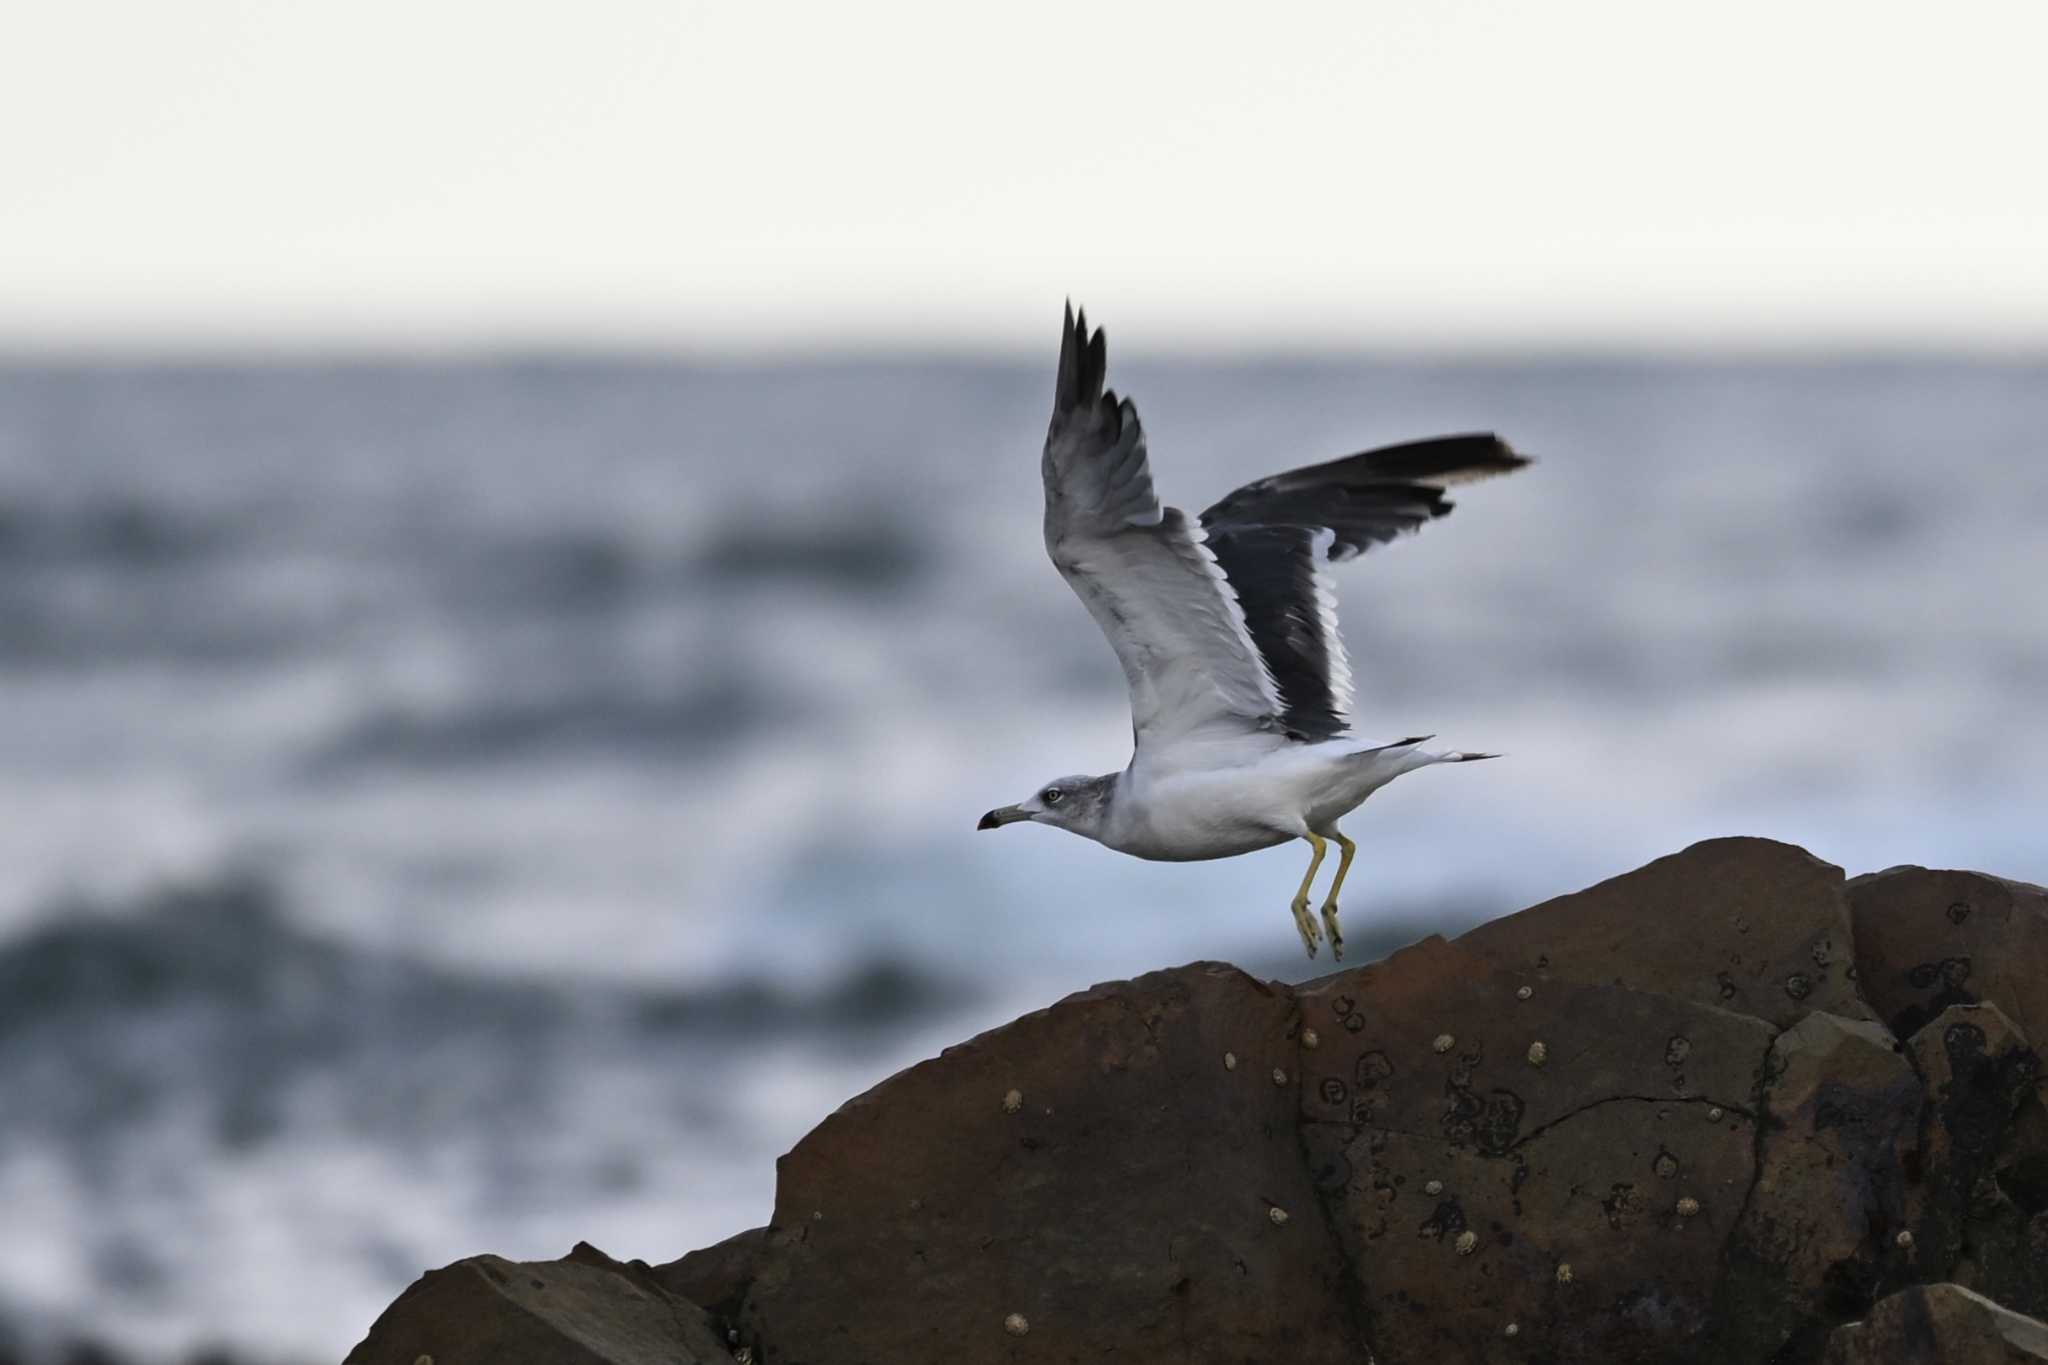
{"x": 1421, "y": 758}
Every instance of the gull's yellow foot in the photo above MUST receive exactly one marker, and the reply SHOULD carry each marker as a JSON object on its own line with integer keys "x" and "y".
{"x": 1304, "y": 923}
{"x": 1336, "y": 934}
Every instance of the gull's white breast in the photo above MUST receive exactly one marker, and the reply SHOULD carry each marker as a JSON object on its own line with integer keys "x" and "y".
{"x": 1265, "y": 799}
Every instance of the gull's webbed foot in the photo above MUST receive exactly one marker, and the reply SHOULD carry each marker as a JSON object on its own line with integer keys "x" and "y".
{"x": 1305, "y": 924}
{"x": 1336, "y": 934}
{"x": 1302, "y": 921}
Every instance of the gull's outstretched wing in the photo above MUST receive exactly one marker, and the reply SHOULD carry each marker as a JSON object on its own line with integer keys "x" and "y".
{"x": 1275, "y": 536}
{"x": 1142, "y": 570}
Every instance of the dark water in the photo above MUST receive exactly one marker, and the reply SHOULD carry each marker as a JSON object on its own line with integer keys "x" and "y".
{"x": 450, "y": 807}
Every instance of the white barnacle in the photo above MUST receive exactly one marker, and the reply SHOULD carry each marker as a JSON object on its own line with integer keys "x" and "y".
{"x": 1524, "y": 992}
{"x": 1013, "y": 1101}
{"x": 1016, "y": 1324}
{"x": 1904, "y": 1241}
{"x": 1538, "y": 1054}
{"x": 1513, "y": 1329}
{"x": 1468, "y": 1242}
{"x": 1279, "y": 1076}
{"x": 1714, "y": 1114}
{"x": 1688, "y": 1206}
{"x": 1277, "y": 1214}
{"x": 1444, "y": 1043}
{"x": 1230, "y": 1061}
{"x": 1564, "y": 1272}
{"x": 1309, "y": 1038}
{"x": 1434, "y": 1187}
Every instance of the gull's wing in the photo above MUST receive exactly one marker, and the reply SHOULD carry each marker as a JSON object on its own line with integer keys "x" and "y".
{"x": 1142, "y": 570}
{"x": 1275, "y": 536}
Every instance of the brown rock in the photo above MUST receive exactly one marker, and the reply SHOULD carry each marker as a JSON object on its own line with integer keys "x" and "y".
{"x": 584, "y": 1309}
{"x": 1748, "y": 925}
{"x": 1652, "y": 1121}
{"x": 1983, "y": 1207}
{"x": 1583, "y": 1161}
{"x": 1817, "y": 1239}
{"x": 1926, "y": 940}
{"x": 1125, "y": 1206}
{"x": 1938, "y": 1324}
{"x": 716, "y": 1277}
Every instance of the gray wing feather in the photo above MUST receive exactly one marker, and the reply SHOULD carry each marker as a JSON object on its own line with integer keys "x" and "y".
{"x": 1144, "y": 571}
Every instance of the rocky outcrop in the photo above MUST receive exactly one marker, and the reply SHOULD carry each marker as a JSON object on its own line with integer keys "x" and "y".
{"x": 1712, "y": 1110}
{"x": 1938, "y": 1324}
{"x": 585, "y": 1309}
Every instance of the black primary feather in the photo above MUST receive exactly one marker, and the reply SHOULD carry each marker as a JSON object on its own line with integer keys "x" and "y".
{"x": 1264, "y": 537}
{"x": 1369, "y": 498}
{"x": 1273, "y": 569}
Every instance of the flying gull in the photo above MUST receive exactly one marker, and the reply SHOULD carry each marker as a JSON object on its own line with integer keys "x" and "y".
{"x": 1226, "y": 627}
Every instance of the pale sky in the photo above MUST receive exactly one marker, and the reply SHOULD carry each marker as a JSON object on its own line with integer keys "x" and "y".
{"x": 1423, "y": 173}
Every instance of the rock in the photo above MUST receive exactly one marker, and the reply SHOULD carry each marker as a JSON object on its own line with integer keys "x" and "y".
{"x": 1662, "y": 1119}
{"x": 1816, "y": 1242}
{"x": 1125, "y": 1206}
{"x": 1983, "y": 1207}
{"x": 1926, "y": 940}
{"x": 584, "y": 1309}
{"x": 1583, "y": 1161}
{"x": 1749, "y": 925}
{"x": 1938, "y": 1324}
{"x": 716, "y": 1277}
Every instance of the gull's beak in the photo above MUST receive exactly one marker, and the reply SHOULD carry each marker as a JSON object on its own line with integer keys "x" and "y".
{"x": 1003, "y": 815}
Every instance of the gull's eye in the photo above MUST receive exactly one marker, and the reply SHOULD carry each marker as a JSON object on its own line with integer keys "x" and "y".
{"x": 1052, "y": 796}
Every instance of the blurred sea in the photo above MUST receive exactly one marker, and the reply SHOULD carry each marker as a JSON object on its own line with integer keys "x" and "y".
{"x": 464, "y": 806}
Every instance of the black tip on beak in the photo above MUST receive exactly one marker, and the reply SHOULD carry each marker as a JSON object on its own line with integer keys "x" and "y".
{"x": 989, "y": 821}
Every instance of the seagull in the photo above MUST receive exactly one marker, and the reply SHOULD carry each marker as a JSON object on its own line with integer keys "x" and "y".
{"x": 1226, "y": 627}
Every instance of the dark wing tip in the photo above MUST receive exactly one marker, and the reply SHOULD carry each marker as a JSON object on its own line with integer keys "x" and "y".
{"x": 1084, "y": 362}
{"x": 1506, "y": 458}
{"x": 1458, "y": 459}
{"x": 1437, "y": 462}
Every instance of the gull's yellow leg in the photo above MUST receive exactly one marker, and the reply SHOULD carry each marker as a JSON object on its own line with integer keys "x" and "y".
{"x": 1345, "y": 848}
{"x": 1302, "y": 921}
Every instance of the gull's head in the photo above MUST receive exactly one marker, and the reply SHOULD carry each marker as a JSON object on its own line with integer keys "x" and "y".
{"x": 1079, "y": 804}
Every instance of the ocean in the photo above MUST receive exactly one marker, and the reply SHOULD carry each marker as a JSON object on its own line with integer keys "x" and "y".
{"x": 480, "y": 805}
